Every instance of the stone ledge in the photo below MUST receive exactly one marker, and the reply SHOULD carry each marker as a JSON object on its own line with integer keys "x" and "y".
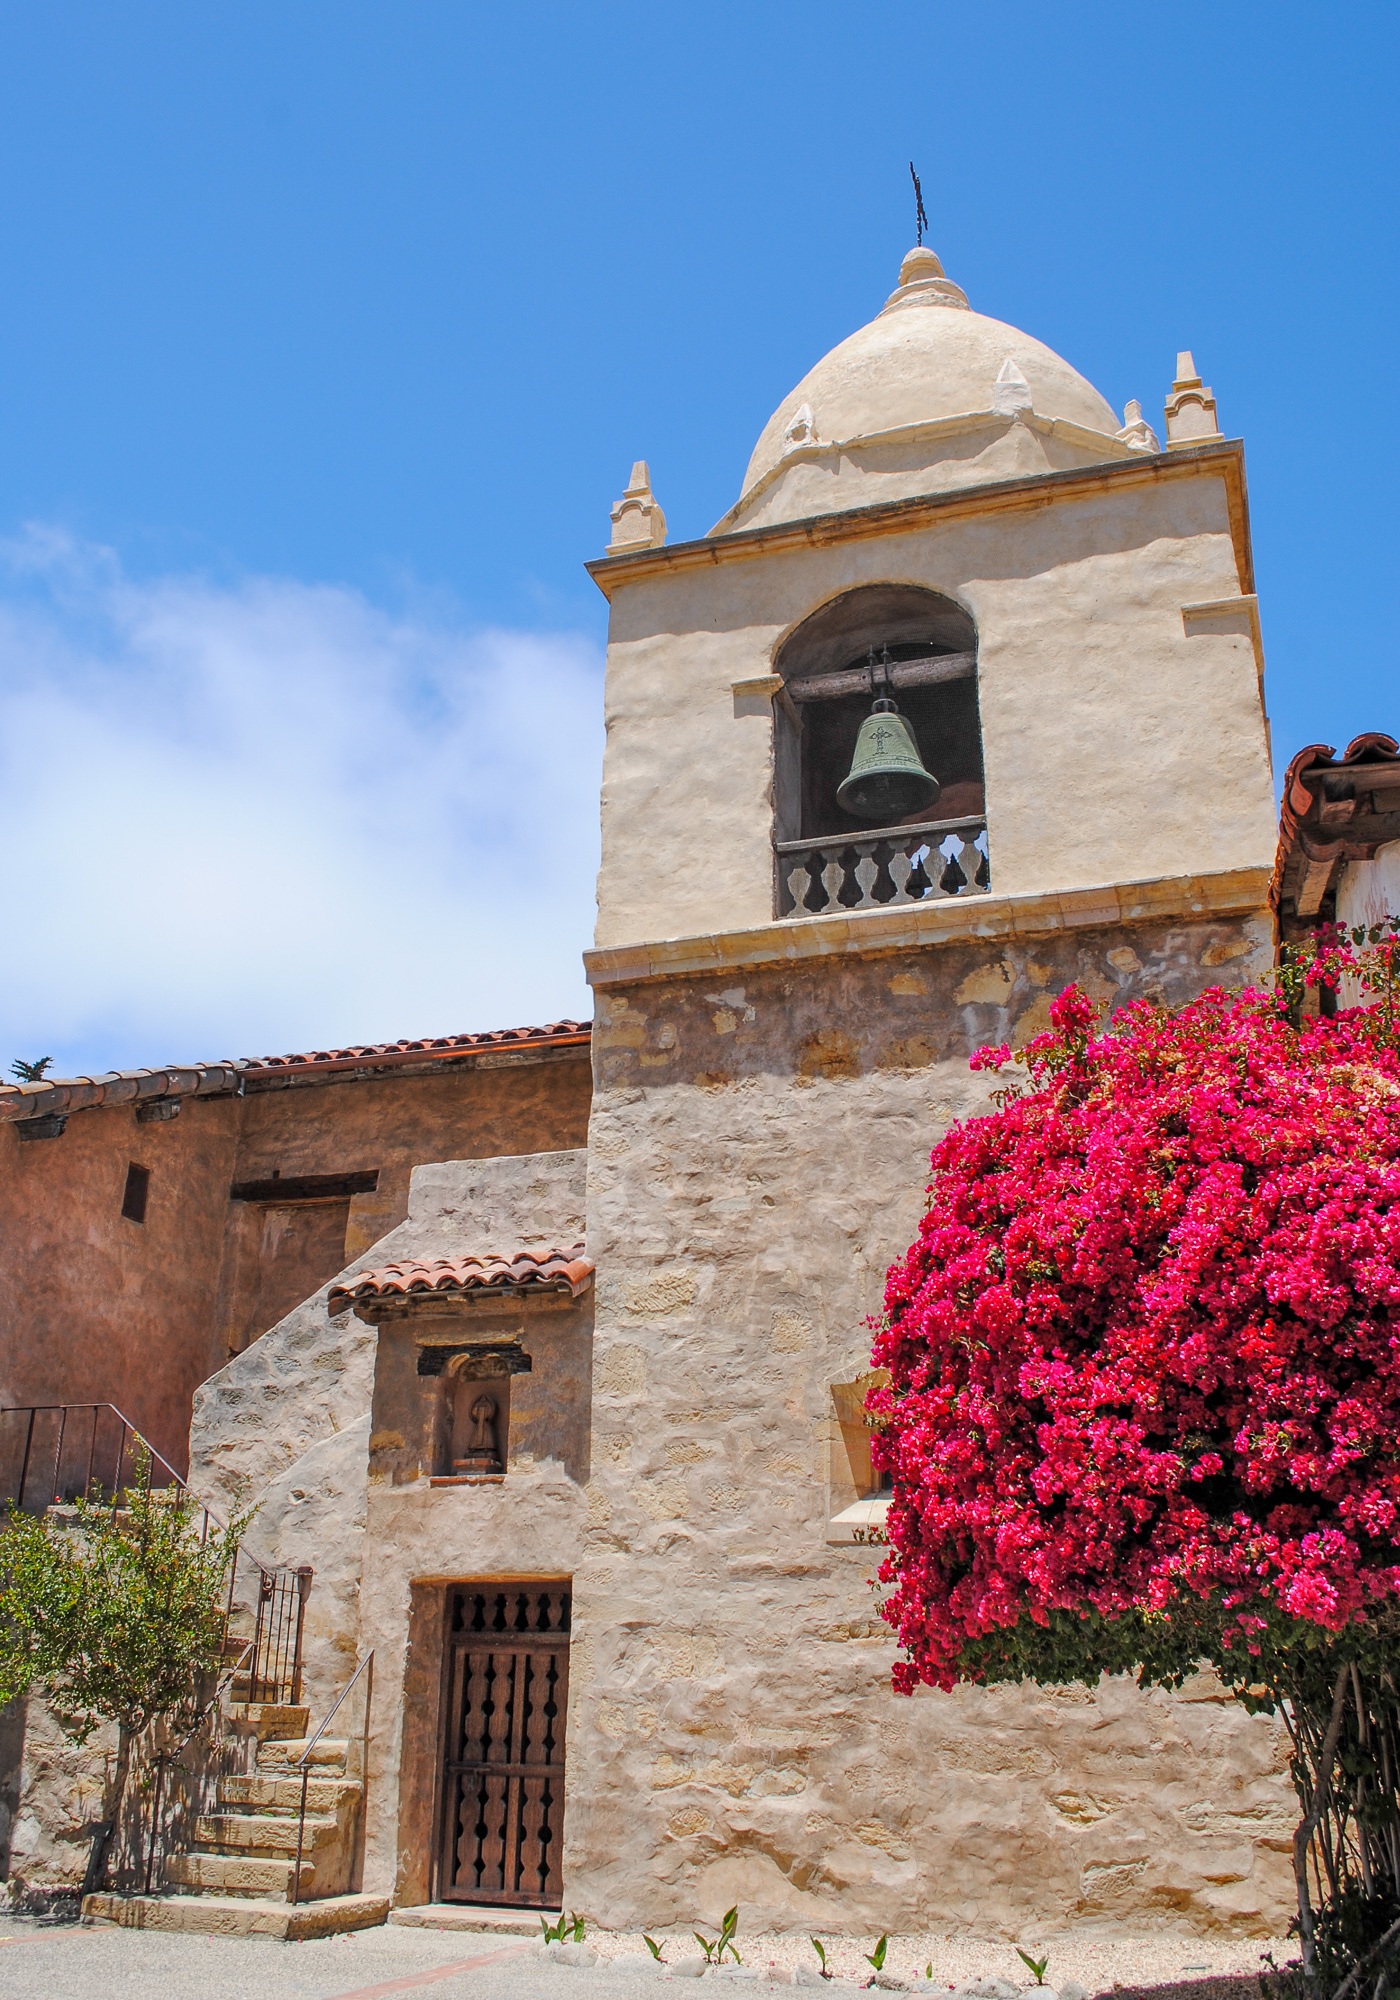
{"x": 473, "y": 1917}
{"x": 909, "y": 926}
{"x": 237, "y": 1916}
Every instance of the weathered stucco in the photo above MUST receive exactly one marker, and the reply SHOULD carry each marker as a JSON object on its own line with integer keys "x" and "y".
{"x": 758, "y": 1156}
{"x": 1119, "y": 745}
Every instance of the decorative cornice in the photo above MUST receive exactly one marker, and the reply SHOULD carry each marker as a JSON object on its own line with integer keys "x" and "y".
{"x": 891, "y": 517}
{"x": 951, "y": 920}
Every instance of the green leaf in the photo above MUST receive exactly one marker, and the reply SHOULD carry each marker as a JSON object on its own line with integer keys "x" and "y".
{"x": 877, "y": 1957}
{"x": 652, "y": 1946}
{"x": 1037, "y": 1965}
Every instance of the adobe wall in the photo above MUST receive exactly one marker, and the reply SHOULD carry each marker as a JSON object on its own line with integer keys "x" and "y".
{"x": 98, "y": 1308}
{"x": 758, "y": 1156}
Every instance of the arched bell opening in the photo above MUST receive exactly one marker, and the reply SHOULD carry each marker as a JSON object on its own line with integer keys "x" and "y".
{"x": 877, "y": 730}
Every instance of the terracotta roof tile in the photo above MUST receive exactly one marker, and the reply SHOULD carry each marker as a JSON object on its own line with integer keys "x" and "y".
{"x": 58, "y": 1096}
{"x": 1333, "y": 809}
{"x": 427, "y": 1045}
{"x": 526, "y": 1271}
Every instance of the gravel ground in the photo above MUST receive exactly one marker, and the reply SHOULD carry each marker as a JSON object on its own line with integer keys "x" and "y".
{"x": 71, "y": 1962}
{"x": 1097, "y": 1960}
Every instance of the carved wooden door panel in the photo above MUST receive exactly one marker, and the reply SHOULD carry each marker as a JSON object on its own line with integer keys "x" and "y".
{"x": 507, "y": 1694}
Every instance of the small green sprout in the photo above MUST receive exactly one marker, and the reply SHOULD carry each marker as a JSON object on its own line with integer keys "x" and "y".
{"x": 652, "y": 1946}
{"x": 715, "y": 1948}
{"x": 877, "y": 1957}
{"x": 1036, "y": 1965}
{"x": 820, "y": 1949}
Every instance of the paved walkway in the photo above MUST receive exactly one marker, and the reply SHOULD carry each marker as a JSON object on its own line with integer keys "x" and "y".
{"x": 74, "y": 1962}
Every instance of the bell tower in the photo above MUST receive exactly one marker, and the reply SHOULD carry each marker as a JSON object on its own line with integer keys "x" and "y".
{"x": 960, "y": 702}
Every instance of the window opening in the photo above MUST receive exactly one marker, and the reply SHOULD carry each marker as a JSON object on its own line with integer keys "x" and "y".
{"x": 883, "y": 644}
{"x": 138, "y": 1185}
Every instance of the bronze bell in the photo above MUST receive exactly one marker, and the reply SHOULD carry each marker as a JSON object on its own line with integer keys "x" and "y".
{"x": 887, "y": 779}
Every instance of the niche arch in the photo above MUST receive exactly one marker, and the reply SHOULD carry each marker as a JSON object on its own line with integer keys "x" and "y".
{"x": 929, "y": 636}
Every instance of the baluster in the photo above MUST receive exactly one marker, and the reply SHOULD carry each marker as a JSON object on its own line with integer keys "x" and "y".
{"x": 834, "y": 878}
{"x": 970, "y": 858}
{"x": 863, "y": 874}
{"x": 901, "y": 868}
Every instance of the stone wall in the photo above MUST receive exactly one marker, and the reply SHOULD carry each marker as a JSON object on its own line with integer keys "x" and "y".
{"x": 758, "y": 1155}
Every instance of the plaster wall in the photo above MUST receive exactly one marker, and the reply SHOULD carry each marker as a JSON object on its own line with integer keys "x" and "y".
{"x": 94, "y": 1308}
{"x": 1118, "y": 747}
{"x": 758, "y": 1156}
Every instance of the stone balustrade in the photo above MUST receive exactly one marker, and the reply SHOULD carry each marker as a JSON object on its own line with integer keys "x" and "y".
{"x": 891, "y": 864}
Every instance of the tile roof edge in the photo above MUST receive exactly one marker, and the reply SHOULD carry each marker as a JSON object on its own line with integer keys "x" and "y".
{"x": 59, "y": 1096}
{"x": 412, "y": 1279}
{"x": 1297, "y": 799}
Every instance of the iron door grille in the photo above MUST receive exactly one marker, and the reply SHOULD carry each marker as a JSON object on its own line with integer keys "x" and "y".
{"x": 503, "y": 1763}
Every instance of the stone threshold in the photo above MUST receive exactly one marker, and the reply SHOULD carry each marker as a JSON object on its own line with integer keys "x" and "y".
{"x": 493, "y": 1920}
{"x": 237, "y": 1916}
{"x": 969, "y": 919}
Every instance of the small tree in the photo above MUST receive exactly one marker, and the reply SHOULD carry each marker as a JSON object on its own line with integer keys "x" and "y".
{"x": 115, "y": 1616}
{"x": 1144, "y": 1396}
{"x": 31, "y": 1072}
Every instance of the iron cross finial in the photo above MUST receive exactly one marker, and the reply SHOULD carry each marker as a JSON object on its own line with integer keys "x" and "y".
{"x": 920, "y": 218}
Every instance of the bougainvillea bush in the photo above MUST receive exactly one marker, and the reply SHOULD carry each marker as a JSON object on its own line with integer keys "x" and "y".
{"x": 1144, "y": 1357}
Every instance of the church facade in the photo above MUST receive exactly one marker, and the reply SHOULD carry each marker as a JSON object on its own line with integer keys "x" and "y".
{"x": 576, "y": 1447}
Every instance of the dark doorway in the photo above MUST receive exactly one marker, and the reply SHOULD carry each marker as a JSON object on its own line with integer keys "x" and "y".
{"x": 507, "y": 1695}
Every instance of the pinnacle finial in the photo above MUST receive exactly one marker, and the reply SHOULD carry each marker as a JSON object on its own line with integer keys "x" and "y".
{"x": 920, "y": 216}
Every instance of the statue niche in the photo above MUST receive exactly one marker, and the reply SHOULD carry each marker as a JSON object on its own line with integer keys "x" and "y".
{"x": 480, "y": 1420}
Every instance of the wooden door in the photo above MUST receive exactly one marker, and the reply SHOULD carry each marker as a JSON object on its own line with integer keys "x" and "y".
{"x": 507, "y": 1695}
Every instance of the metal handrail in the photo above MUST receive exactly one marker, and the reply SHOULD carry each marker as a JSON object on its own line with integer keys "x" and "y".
{"x": 64, "y": 1411}
{"x": 303, "y": 1762}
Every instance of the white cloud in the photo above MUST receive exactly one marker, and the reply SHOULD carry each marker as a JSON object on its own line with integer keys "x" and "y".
{"x": 239, "y": 820}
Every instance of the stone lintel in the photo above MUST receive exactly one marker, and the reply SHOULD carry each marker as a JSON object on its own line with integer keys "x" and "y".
{"x": 491, "y": 1307}
{"x": 910, "y": 926}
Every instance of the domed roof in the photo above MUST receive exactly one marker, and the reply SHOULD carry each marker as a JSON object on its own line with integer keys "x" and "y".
{"x": 927, "y": 366}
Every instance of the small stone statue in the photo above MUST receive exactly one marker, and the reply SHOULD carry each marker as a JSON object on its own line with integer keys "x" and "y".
{"x": 482, "y": 1453}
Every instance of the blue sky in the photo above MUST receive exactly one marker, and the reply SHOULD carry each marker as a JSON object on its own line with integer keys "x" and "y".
{"x": 330, "y": 332}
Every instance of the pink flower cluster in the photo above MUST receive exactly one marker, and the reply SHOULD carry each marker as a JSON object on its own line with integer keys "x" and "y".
{"x": 1148, "y": 1339}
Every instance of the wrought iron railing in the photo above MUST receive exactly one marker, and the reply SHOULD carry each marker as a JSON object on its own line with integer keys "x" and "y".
{"x": 303, "y": 1765}
{"x": 887, "y": 865}
{"x": 52, "y": 1454}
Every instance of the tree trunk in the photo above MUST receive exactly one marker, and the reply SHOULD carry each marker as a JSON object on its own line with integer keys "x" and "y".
{"x": 102, "y": 1838}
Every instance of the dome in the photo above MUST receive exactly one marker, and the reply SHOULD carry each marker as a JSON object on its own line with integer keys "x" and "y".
{"x": 921, "y": 399}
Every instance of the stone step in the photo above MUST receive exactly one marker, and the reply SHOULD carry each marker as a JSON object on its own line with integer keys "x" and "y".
{"x": 238, "y": 1875}
{"x": 270, "y": 1722}
{"x": 237, "y": 1916}
{"x": 331, "y": 1755}
{"x": 276, "y": 1794}
{"x": 492, "y": 1921}
{"x": 263, "y": 1833}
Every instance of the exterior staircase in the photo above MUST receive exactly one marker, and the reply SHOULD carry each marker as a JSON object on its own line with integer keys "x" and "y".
{"x": 237, "y": 1878}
